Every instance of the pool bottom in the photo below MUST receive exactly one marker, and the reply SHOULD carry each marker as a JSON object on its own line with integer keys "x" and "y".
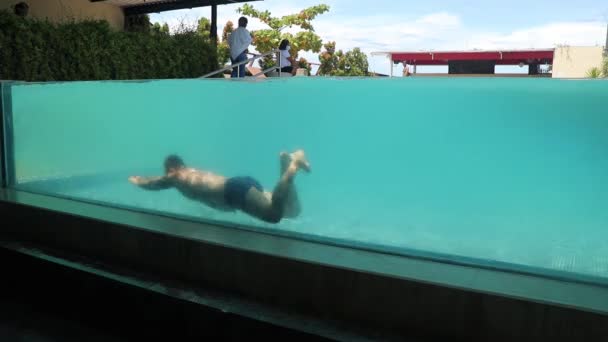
{"x": 573, "y": 259}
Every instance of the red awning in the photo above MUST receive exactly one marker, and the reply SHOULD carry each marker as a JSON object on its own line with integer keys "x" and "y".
{"x": 509, "y": 57}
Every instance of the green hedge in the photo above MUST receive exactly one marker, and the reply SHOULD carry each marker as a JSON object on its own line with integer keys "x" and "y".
{"x": 34, "y": 50}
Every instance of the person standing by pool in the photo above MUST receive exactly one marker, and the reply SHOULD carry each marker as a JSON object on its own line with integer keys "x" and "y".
{"x": 235, "y": 193}
{"x": 239, "y": 42}
{"x": 287, "y": 62}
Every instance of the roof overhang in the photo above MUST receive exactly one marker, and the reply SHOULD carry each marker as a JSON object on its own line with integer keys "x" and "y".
{"x": 133, "y": 7}
{"x": 501, "y": 57}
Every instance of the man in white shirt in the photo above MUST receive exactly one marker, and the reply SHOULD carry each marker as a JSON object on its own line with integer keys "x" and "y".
{"x": 239, "y": 41}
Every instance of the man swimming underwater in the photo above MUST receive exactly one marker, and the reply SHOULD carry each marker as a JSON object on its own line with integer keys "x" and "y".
{"x": 235, "y": 193}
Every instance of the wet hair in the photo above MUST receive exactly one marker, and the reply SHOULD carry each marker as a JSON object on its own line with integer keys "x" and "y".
{"x": 173, "y": 162}
{"x": 242, "y": 22}
{"x": 283, "y": 44}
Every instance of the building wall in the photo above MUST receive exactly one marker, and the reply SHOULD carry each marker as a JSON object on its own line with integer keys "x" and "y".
{"x": 62, "y": 10}
{"x": 575, "y": 61}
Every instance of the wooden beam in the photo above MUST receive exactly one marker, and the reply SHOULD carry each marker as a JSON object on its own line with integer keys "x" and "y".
{"x": 169, "y": 6}
{"x": 161, "y": 7}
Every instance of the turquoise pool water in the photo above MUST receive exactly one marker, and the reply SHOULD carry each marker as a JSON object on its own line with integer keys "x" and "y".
{"x": 499, "y": 170}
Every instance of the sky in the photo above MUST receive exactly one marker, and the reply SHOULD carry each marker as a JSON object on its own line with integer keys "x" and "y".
{"x": 401, "y": 25}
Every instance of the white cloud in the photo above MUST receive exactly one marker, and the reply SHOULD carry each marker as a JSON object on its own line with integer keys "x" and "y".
{"x": 546, "y": 36}
{"x": 441, "y": 19}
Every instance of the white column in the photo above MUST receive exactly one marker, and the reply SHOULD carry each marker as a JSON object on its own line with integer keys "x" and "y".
{"x": 606, "y": 46}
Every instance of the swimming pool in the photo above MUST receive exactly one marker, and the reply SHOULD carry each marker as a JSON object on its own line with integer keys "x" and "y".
{"x": 495, "y": 171}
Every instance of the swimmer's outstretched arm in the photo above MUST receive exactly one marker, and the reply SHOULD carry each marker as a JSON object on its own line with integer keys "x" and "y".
{"x": 151, "y": 183}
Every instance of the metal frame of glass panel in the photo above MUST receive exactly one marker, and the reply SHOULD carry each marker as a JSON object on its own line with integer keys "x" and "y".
{"x": 2, "y": 161}
{"x": 7, "y": 174}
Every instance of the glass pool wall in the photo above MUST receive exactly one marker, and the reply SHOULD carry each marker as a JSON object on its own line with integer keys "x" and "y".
{"x": 496, "y": 171}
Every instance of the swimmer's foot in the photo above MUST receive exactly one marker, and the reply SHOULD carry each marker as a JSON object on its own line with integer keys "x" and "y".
{"x": 300, "y": 161}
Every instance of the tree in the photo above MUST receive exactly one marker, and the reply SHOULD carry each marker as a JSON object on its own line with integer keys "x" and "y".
{"x": 303, "y": 63}
{"x": 328, "y": 59}
{"x": 268, "y": 39}
{"x": 204, "y": 28}
{"x": 157, "y": 28}
{"x": 138, "y": 23}
{"x": 605, "y": 67}
{"x": 228, "y": 29}
{"x": 21, "y": 9}
{"x": 223, "y": 50}
{"x": 351, "y": 63}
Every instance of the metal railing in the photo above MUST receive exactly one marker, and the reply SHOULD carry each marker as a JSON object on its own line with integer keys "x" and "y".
{"x": 250, "y": 61}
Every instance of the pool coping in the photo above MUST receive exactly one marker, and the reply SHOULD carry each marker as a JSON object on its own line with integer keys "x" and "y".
{"x": 579, "y": 296}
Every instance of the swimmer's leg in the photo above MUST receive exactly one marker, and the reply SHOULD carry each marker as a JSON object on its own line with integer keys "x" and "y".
{"x": 293, "y": 207}
{"x": 258, "y": 204}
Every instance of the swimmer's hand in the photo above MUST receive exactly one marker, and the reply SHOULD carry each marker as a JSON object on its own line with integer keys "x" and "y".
{"x": 151, "y": 183}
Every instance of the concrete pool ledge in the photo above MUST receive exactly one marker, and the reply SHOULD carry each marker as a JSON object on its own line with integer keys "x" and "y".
{"x": 396, "y": 294}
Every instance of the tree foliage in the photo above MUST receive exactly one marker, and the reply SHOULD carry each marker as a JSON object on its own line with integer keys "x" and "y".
{"x": 268, "y": 39}
{"x": 338, "y": 63}
{"x": 303, "y": 63}
{"x": 203, "y": 28}
{"x": 223, "y": 50}
{"x": 36, "y": 50}
{"x": 328, "y": 60}
{"x": 352, "y": 63}
{"x": 138, "y": 23}
{"x": 158, "y": 28}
